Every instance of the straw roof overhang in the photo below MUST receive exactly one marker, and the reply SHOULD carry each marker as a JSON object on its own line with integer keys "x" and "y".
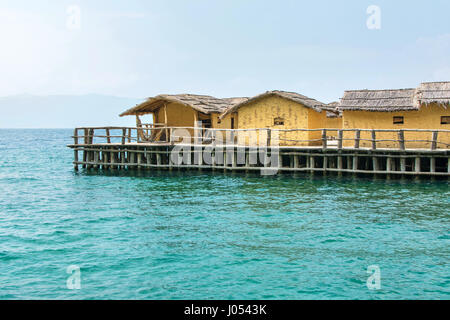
{"x": 332, "y": 110}
{"x": 292, "y": 96}
{"x": 379, "y": 100}
{"x": 434, "y": 92}
{"x": 201, "y": 103}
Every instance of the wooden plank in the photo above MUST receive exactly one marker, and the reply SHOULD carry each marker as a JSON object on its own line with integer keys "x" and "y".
{"x": 324, "y": 139}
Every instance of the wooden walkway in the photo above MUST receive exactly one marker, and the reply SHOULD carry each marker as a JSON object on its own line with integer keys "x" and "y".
{"x": 331, "y": 156}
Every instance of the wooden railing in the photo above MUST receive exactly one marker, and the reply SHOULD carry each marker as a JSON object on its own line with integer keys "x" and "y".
{"x": 400, "y": 139}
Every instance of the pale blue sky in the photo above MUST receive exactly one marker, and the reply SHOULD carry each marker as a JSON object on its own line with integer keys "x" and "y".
{"x": 223, "y": 48}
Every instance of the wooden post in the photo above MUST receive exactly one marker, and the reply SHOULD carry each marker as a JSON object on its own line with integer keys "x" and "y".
{"x": 91, "y": 136}
{"x": 357, "y": 138}
{"x": 296, "y": 164}
{"x": 139, "y": 159}
{"x": 340, "y": 139}
{"x": 325, "y": 163}
{"x": 401, "y": 140}
{"x": 402, "y": 164}
{"x": 324, "y": 138}
{"x": 375, "y": 163}
{"x": 85, "y": 153}
{"x": 388, "y": 164}
{"x": 374, "y": 140}
{"x": 124, "y": 134}
{"x": 448, "y": 165}
{"x": 434, "y": 140}
{"x": 269, "y": 137}
{"x": 165, "y": 121}
{"x": 432, "y": 164}
{"x": 75, "y": 152}
{"x": 108, "y": 137}
{"x": 340, "y": 164}
{"x": 417, "y": 164}
{"x": 158, "y": 159}
{"x": 355, "y": 162}
{"x": 129, "y": 135}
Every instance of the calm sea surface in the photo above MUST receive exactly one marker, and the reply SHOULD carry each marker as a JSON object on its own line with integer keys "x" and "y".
{"x": 205, "y": 235}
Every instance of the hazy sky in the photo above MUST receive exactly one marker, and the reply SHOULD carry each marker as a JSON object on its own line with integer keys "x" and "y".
{"x": 223, "y": 48}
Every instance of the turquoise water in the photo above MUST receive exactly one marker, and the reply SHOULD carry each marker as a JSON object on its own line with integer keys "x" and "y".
{"x": 212, "y": 235}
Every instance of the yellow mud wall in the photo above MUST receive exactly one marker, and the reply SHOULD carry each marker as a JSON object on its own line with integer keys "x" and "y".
{"x": 428, "y": 117}
{"x": 333, "y": 123}
{"x": 262, "y": 113}
{"x": 316, "y": 120}
{"x": 225, "y": 123}
{"x": 178, "y": 115}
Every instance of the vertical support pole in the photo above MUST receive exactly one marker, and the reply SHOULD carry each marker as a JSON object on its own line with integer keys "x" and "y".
{"x": 374, "y": 140}
{"x": 349, "y": 162}
{"x": 269, "y": 138}
{"x": 148, "y": 158}
{"x": 325, "y": 162}
{"x": 417, "y": 165}
{"x": 124, "y": 134}
{"x": 432, "y": 164}
{"x": 129, "y": 135}
{"x": 158, "y": 158}
{"x": 375, "y": 163}
{"x": 108, "y": 136}
{"x": 340, "y": 164}
{"x": 165, "y": 120}
{"x": 296, "y": 162}
{"x": 388, "y": 164}
{"x": 340, "y": 139}
{"x": 403, "y": 164}
{"x": 434, "y": 138}
{"x": 85, "y": 153}
{"x": 355, "y": 162}
{"x": 312, "y": 163}
{"x": 401, "y": 140}
{"x": 357, "y": 138}
{"x": 139, "y": 159}
{"x": 324, "y": 140}
{"x": 75, "y": 150}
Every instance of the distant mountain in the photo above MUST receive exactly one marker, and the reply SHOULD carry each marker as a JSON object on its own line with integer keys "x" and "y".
{"x": 64, "y": 111}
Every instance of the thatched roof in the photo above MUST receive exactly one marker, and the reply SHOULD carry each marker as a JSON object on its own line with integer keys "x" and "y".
{"x": 397, "y": 100}
{"x": 434, "y": 92}
{"x": 204, "y": 104}
{"x": 292, "y": 96}
{"x": 379, "y": 100}
{"x": 332, "y": 110}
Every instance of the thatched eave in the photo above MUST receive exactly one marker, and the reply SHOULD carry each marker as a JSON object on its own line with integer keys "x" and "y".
{"x": 291, "y": 96}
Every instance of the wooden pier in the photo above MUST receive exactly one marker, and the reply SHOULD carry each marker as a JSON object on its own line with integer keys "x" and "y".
{"x": 120, "y": 148}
